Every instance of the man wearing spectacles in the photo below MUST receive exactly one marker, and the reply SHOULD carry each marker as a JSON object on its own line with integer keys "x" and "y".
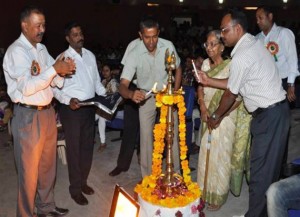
{"x": 254, "y": 75}
{"x": 227, "y": 28}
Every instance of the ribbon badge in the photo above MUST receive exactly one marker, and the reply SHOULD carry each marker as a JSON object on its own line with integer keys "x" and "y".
{"x": 35, "y": 68}
{"x": 273, "y": 48}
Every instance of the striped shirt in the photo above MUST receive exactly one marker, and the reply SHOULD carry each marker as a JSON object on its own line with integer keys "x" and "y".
{"x": 254, "y": 75}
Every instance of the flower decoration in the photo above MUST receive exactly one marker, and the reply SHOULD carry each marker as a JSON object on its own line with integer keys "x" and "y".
{"x": 273, "y": 48}
{"x": 151, "y": 189}
{"x": 35, "y": 68}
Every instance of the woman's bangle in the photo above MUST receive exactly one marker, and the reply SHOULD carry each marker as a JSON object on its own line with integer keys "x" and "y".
{"x": 199, "y": 99}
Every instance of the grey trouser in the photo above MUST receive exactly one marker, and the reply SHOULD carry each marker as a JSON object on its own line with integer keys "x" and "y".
{"x": 34, "y": 133}
{"x": 147, "y": 115}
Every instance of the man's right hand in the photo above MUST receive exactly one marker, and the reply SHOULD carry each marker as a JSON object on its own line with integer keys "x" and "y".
{"x": 137, "y": 96}
{"x": 64, "y": 66}
{"x": 201, "y": 77}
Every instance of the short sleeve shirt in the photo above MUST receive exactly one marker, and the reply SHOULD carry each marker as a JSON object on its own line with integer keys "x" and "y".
{"x": 254, "y": 75}
{"x": 148, "y": 68}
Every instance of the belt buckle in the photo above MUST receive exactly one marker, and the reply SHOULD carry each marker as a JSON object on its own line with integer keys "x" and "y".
{"x": 39, "y": 108}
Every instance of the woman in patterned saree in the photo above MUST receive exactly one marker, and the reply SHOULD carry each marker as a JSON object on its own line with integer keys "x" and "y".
{"x": 230, "y": 141}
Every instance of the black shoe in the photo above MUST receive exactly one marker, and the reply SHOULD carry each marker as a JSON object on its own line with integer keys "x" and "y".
{"x": 116, "y": 171}
{"x": 87, "y": 190}
{"x": 80, "y": 199}
{"x": 56, "y": 212}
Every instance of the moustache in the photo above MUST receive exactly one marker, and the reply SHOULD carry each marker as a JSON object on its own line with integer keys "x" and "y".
{"x": 80, "y": 41}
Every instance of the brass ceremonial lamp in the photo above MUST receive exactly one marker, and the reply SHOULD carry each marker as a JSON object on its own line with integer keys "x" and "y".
{"x": 172, "y": 183}
{"x": 170, "y": 61}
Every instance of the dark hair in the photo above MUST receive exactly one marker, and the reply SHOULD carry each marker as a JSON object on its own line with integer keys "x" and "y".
{"x": 28, "y": 10}
{"x": 148, "y": 22}
{"x": 69, "y": 26}
{"x": 239, "y": 17}
{"x": 106, "y": 64}
{"x": 267, "y": 9}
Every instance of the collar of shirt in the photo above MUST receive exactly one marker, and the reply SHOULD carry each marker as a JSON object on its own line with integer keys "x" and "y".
{"x": 144, "y": 50}
{"x": 273, "y": 29}
{"x": 28, "y": 45}
{"x": 246, "y": 35}
{"x": 73, "y": 53}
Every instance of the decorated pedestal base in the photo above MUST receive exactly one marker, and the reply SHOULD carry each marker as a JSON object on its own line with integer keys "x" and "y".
{"x": 150, "y": 210}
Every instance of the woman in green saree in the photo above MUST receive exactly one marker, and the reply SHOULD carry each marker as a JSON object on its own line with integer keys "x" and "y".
{"x": 230, "y": 141}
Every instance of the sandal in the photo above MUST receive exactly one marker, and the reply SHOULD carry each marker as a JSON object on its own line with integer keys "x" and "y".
{"x": 213, "y": 207}
{"x": 101, "y": 147}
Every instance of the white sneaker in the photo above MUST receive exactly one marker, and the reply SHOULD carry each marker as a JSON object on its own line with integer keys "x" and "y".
{"x": 238, "y": 216}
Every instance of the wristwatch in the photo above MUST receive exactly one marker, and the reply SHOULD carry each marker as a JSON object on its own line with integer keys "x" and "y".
{"x": 290, "y": 84}
{"x": 214, "y": 116}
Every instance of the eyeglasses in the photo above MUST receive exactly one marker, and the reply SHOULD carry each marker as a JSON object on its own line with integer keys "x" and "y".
{"x": 210, "y": 44}
{"x": 225, "y": 29}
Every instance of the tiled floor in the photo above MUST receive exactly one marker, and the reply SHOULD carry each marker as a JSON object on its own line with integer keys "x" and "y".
{"x": 103, "y": 184}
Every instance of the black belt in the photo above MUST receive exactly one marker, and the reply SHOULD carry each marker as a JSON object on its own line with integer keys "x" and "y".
{"x": 35, "y": 107}
{"x": 260, "y": 110}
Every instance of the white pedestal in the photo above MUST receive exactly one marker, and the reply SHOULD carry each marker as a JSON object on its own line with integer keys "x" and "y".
{"x": 150, "y": 210}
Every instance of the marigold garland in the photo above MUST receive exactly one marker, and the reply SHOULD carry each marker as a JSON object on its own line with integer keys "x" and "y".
{"x": 146, "y": 188}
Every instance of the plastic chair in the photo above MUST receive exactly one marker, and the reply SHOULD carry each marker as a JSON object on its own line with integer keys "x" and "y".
{"x": 61, "y": 144}
{"x": 116, "y": 123}
{"x": 294, "y": 213}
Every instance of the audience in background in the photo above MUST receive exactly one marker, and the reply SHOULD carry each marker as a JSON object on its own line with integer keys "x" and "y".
{"x": 112, "y": 86}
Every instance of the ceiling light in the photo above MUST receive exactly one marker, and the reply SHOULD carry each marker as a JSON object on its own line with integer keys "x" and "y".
{"x": 250, "y": 8}
{"x": 152, "y": 4}
{"x": 180, "y": 0}
{"x": 285, "y": 1}
{"x": 220, "y": 1}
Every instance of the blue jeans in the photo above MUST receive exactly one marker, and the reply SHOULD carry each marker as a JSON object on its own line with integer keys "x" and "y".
{"x": 283, "y": 195}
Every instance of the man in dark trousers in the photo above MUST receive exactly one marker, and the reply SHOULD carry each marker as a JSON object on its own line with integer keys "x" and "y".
{"x": 131, "y": 125}
{"x": 254, "y": 75}
{"x": 79, "y": 122}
